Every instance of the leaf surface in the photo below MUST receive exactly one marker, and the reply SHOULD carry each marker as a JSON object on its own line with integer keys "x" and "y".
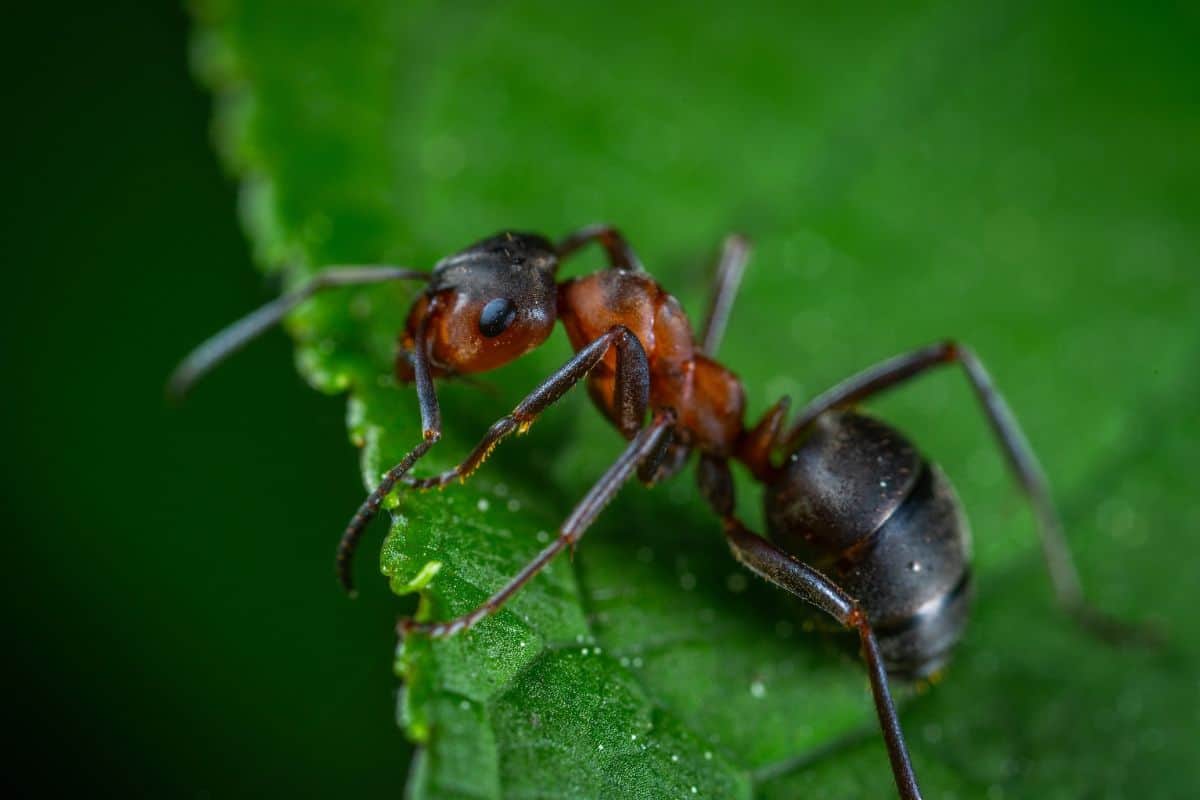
{"x": 1014, "y": 179}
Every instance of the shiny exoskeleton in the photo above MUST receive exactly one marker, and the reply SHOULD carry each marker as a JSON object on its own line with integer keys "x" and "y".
{"x": 857, "y": 501}
{"x": 860, "y": 524}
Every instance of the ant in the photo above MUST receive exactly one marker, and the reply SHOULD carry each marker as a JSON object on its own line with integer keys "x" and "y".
{"x": 861, "y": 525}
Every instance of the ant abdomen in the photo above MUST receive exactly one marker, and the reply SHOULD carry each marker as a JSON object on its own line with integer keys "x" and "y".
{"x": 859, "y": 502}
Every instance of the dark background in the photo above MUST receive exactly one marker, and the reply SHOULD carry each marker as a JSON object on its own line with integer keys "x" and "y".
{"x": 136, "y": 532}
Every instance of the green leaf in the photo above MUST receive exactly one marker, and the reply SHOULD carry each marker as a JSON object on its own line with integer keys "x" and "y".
{"x": 1023, "y": 180}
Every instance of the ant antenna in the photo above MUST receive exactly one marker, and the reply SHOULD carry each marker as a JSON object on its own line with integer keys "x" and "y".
{"x": 229, "y": 340}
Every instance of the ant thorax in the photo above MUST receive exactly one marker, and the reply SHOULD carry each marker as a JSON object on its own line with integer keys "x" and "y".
{"x": 708, "y": 398}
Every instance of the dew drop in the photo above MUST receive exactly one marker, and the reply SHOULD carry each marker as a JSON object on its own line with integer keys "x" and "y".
{"x": 483, "y": 504}
{"x": 757, "y": 690}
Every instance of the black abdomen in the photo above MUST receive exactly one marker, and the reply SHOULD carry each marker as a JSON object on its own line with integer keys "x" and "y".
{"x": 858, "y": 502}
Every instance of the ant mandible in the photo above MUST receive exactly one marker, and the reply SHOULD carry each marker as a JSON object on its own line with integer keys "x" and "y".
{"x": 861, "y": 525}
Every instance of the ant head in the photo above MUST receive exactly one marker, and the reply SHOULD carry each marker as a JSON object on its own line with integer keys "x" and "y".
{"x": 486, "y": 305}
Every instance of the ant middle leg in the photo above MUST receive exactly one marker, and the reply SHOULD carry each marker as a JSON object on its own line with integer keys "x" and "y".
{"x": 793, "y": 575}
{"x": 1024, "y": 465}
{"x": 616, "y": 248}
{"x": 646, "y": 445}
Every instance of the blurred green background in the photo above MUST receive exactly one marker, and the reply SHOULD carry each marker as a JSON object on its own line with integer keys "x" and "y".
{"x": 177, "y": 629}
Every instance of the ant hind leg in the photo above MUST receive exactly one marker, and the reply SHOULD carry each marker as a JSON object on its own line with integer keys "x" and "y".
{"x": 796, "y": 577}
{"x": 1022, "y": 462}
{"x": 792, "y": 575}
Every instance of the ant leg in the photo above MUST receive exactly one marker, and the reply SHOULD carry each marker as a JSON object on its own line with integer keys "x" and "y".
{"x": 734, "y": 254}
{"x": 793, "y": 575}
{"x": 646, "y": 444}
{"x": 431, "y": 427}
{"x": 667, "y": 465}
{"x": 232, "y": 338}
{"x": 620, "y": 254}
{"x": 632, "y": 398}
{"x": 789, "y": 573}
{"x": 1021, "y": 460}
{"x": 755, "y": 446}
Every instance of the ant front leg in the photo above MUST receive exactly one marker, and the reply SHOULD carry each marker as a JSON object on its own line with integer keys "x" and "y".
{"x": 431, "y": 429}
{"x": 792, "y": 575}
{"x": 1020, "y": 457}
{"x": 620, "y": 254}
{"x": 646, "y": 445}
{"x": 632, "y": 398}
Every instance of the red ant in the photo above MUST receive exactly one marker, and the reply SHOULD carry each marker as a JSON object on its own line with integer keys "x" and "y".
{"x": 861, "y": 525}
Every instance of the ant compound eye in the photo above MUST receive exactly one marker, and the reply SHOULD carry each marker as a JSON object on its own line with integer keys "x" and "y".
{"x": 496, "y": 316}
